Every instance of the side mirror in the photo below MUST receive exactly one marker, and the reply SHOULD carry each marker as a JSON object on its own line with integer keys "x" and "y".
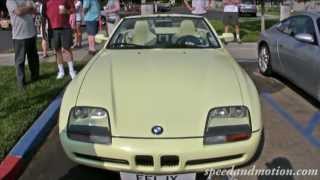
{"x": 305, "y": 37}
{"x": 227, "y": 37}
{"x": 99, "y": 38}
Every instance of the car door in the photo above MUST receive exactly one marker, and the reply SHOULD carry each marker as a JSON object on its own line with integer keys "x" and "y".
{"x": 298, "y": 57}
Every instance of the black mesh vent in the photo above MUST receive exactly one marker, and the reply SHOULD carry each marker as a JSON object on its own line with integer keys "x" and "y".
{"x": 142, "y": 160}
{"x": 169, "y": 161}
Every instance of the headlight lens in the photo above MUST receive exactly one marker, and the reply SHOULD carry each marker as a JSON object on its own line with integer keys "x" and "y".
{"x": 229, "y": 112}
{"x": 89, "y": 124}
{"x": 227, "y": 124}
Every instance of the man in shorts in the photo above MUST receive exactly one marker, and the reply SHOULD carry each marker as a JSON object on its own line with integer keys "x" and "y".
{"x": 92, "y": 10}
{"x": 58, "y": 14}
{"x": 231, "y": 16}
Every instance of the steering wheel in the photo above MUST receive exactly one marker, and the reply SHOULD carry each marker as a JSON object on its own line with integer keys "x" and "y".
{"x": 189, "y": 40}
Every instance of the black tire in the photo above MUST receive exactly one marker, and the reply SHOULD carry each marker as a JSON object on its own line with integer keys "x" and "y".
{"x": 264, "y": 60}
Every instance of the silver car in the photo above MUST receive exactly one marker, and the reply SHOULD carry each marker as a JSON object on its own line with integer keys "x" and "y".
{"x": 164, "y": 6}
{"x": 292, "y": 49}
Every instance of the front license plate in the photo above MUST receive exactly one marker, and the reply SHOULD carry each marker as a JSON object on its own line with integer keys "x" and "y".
{"x": 131, "y": 176}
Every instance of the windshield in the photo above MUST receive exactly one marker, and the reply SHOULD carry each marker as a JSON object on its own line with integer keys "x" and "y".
{"x": 163, "y": 32}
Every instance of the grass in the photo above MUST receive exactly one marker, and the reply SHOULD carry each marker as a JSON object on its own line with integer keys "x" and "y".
{"x": 274, "y": 10}
{"x": 249, "y": 30}
{"x": 19, "y": 110}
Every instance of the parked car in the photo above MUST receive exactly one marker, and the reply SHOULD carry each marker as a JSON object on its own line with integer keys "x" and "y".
{"x": 5, "y": 24}
{"x": 164, "y": 6}
{"x": 163, "y": 97}
{"x": 129, "y": 8}
{"x": 292, "y": 48}
{"x": 248, "y": 7}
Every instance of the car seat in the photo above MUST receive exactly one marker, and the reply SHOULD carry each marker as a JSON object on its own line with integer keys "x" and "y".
{"x": 186, "y": 28}
{"x": 142, "y": 34}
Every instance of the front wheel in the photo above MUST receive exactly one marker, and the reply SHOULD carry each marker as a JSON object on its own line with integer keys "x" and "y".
{"x": 264, "y": 61}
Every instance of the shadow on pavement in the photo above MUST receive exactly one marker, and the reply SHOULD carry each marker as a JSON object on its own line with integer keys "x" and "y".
{"x": 298, "y": 90}
{"x": 280, "y": 164}
{"x": 275, "y": 83}
{"x": 87, "y": 173}
{"x": 264, "y": 84}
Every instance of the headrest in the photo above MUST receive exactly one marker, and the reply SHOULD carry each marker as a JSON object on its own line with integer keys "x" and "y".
{"x": 187, "y": 27}
{"x": 142, "y": 33}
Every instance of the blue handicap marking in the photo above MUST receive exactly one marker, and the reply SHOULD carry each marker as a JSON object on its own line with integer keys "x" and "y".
{"x": 306, "y": 132}
{"x": 315, "y": 120}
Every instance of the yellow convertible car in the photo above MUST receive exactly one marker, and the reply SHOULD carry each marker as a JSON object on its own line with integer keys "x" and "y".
{"x": 162, "y": 97}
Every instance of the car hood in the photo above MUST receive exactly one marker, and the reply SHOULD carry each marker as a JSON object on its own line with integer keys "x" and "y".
{"x": 174, "y": 89}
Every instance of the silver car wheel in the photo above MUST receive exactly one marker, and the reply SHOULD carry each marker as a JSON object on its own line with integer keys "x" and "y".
{"x": 264, "y": 59}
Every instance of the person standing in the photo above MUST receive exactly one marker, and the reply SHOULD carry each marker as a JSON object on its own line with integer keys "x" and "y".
{"x": 43, "y": 30}
{"x": 58, "y": 13}
{"x": 112, "y": 10}
{"x": 91, "y": 17}
{"x": 78, "y": 33}
{"x": 231, "y": 16}
{"x": 24, "y": 39}
{"x": 198, "y": 7}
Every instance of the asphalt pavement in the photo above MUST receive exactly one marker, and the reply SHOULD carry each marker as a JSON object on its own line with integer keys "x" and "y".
{"x": 5, "y": 41}
{"x": 285, "y": 147}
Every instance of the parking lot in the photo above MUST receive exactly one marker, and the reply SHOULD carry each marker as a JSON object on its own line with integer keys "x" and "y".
{"x": 291, "y": 128}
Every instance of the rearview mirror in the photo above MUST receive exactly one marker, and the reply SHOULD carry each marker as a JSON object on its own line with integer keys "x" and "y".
{"x": 227, "y": 37}
{"x": 99, "y": 38}
{"x": 305, "y": 37}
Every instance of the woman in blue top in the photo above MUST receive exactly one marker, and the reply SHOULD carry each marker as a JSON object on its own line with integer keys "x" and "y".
{"x": 91, "y": 16}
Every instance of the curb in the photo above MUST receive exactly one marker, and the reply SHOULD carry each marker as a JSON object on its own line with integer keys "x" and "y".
{"x": 13, "y": 164}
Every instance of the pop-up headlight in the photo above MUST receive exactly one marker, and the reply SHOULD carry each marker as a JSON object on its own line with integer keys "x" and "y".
{"x": 89, "y": 124}
{"x": 227, "y": 124}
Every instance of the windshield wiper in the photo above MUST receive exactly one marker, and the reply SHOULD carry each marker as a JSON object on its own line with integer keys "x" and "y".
{"x": 128, "y": 45}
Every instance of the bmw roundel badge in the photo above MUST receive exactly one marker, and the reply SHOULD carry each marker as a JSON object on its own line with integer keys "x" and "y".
{"x": 157, "y": 130}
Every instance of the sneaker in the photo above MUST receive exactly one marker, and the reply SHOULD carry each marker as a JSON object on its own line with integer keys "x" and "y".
{"x": 44, "y": 56}
{"x": 72, "y": 74}
{"x": 60, "y": 75}
{"x": 239, "y": 41}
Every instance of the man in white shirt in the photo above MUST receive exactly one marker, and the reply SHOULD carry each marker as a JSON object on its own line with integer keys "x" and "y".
{"x": 198, "y": 7}
{"x": 231, "y": 16}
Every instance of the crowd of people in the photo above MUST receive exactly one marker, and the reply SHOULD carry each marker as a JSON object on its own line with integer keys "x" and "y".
{"x": 59, "y": 25}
